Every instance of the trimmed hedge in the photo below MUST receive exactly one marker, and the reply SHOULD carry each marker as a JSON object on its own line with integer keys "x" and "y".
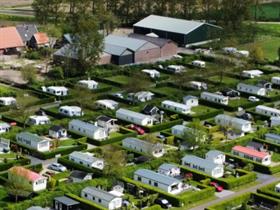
{"x": 85, "y": 204}
{"x": 21, "y": 162}
{"x": 271, "y": 146}
{"x": 269, "y": 190}
{"x": 176, "y": 200}
{"x": 163, "y": 126}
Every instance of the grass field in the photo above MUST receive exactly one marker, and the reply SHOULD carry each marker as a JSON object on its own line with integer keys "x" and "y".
{"x": 269, "y": 11}
{"x": 226, "y": 80}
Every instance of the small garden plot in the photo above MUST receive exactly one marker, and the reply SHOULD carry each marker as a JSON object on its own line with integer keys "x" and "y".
{"x": 229, "y": 81}
{"x": 202, "y": 110}
{"x": 119, "y": 79}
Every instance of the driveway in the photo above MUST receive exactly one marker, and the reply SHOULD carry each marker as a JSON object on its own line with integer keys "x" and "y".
{"x": 224, "y": 193}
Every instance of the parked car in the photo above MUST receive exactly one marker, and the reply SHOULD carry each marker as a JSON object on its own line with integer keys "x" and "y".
{"x": 138, "y": 129}
{"x": 163, "y": 203}
{"x": 217, "y": 186}
{"x": 57, "y": 167}
{"x": 141, "y": 159}
{"x": 253, "y": 99}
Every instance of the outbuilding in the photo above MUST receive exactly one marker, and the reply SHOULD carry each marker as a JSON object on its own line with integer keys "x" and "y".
{"x": 87, "y": 159}
{"x": 134, "y": 117}
{"x": 38, "y": 40}
{"x": 215, "y": 98}
{"x": 10, "y": 42}
{"x": 251, "y": 89}
{"x": 176, "y": 107}
{"x": 233, "y": 122}
{"x": 57, "y": 132}
{"x": 26, "y": 31}
{"x": 181, "y": 31}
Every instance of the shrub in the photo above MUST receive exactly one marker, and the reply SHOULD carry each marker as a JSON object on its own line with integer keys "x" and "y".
{"x": 56, "y": 73}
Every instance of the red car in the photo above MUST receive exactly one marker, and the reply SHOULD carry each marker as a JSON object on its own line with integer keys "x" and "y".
{"x": 138, "y": 129}
{"x": 217, "y": 186}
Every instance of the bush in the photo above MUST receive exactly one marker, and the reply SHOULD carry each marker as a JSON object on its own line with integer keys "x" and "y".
{"x": 21, "y": 161}
{"x": 56, "y": 73}
{"x": 269, "y": 190}
{"x": 33, "y": 55}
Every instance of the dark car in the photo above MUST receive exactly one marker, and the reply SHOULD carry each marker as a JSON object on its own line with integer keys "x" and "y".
{"x": 141, "y": 159}
{"x": 163, "y": 203}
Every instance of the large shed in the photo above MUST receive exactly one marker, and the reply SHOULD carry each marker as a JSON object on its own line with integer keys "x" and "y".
{"x": 183, "y": 32}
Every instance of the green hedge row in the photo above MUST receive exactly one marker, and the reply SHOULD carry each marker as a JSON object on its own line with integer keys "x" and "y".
{"x": 21, "y": 162}
{"x": 85, "y": 204}
{"x": 17, "y": 18}
{"x": 163, "y": 126}
{"x": 271, "y": 146}
{"x": 269, "y": 190}
{"x": 176, "y": 200}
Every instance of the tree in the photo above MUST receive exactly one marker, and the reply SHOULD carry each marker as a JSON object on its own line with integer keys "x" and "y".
{"x": 17, "y": 185}
{"x": 256, "y": 53}
{"x": 28, "y": 74}
{"x": 137, "y": 82}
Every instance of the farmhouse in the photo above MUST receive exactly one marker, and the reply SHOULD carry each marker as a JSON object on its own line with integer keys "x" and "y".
{"x": 161, "y": 181}
{"x": 176, "y": 107}
{"x": 71, "y": 111}
{"x": 101, "y": 197}
{"x": 34, "y": 180}
{"x": 169, "y": 170}
{"x": 215, "y": 98}
{"x": 272, "y": 137}
{"x": 57, "y": 132}
{"x": 152, "y": 73}
{"x": 191, "y": 101}
{"x": 33, "y": 141}
{"x": 65, "y": 203}
{"x": 87, "y": 159}
{"x": 10, "y": 42}
{"x": 167, "y": 47}
{"x": 4, "y": 127}
{"x": 26, "y": 31}
{"x": 89, "y": 84}
{"x": 56, "y": 90}
{"x": 87, "y": 129}
{"x": 107, "y": 104}
{"x": 142, "y": 51}
{"x": 107, "y": 123}
{"x": 216, "y": 157}
{"x": 203, "y": 165}
{"x": 38, "y": 120}
{"x": 134, "y": 117}
{"x": 251, "y": 89}
{"x": 181, "y": 31}
{"x": 252, "y": 154}
{"x": 156, "y": 150}
{"x": 233, "y": 122}
{"x": 275, "y": 80}
{"x": 251, "y": 73}
{"x": 7, "y": 101}
{"x": 39, "y": 39}
{"x": 199, "y": 64}
{"x": 267, "y": 111}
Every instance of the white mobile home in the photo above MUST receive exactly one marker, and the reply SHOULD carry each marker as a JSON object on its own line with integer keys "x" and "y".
{"x": 272, "y": 137}
{"x": 152, "y": 73}
{"x": 87, "y": 159}
{"x": 252, "y": 154}
{"x": 7, "y": 101}
{"x": 71, "y": 111}
{"x": 169, "y": 170}
{"x": 274, "y": 121}
{"x": 38, "y": 120}
{"x": 4, "y": 145}
{"x": 87, "y": 129}
{"x": 267, "y": 111}
{"x": 215, "y": 98}
{"x": 203, "y": 165}
{"x": 4, "y": 127}
{"x": 89, "y": 84}
{"x": 34, "y": 141}
{"x": 57, "y": 132}
{"x": 199, "y": 64}
{"x": 275, "y": 80}
{"x": 216, "y": 157}
{"x": 56, "y": 90}
{"x": 141, "y": 96}
{"x": 156, "y": 150}
{"x": 107, "y": 104}
{"x": 101, "y": 197}
{"x": 251, "y": 73}
{"x": 191, "y": 101}
{"x": 198, "y": 85}
{"x": 134, "y": 117}
{"x": 163, "y": 182}
{"x": 176, "y": 107}
{"x": 251, "y": 89}
{"x": 175, "y": 69}
{"x": 233, "y": 122}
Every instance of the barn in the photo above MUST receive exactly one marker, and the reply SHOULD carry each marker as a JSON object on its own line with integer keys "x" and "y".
{"x": 119, "y": 55}
{"x": 183, "y": 32}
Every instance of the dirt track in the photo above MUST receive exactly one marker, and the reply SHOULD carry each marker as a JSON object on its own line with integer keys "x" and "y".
{"x": 9, "y": 3}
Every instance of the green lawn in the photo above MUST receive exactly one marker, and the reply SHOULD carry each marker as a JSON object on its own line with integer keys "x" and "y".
{"x": 168, "y": 91}
{"x": 120, "y": 79}
{"x": 200, "y": 110}
{"x": 226, "y": 80}
{"x": 269, "y": 11}
{"x": 68, "y": 142}
{"x": 238, "y": 102}
{"x": 8, "y": 155}
{"x": 275, "y": 157}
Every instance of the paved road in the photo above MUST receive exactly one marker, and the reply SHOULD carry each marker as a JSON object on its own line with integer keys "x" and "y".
{"x": 23, "y": 13}
{"x": 254, "y": 188}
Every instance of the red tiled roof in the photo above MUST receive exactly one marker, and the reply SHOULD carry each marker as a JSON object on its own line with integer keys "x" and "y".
{"x": 41, "y": 38}
{"x": 250, "y": 152}
{"x": 10, "y": 38}
{"x": 26, "y": 173}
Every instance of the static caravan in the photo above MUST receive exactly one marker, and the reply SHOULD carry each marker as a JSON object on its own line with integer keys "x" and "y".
{"x": 233, "y": 122}
{"x": 169, "y": 170}
{"x": 216, "y": 157}
{"x": 102, "y": 198}
{"x": 230, "y": 50}
{"x": 251, "y": 73}
{"x": 275, "y": 80}
{"x": 161, "y": 181}
{"x": 198, "y": 85}
{"x": 4, "y": 127}
{"x": 273, "y": 138}
{"x": 71, "y": 111}
{"x": 242, "y": 53}
{"x": 175, "y": 69}
{"x": 87, "y": 159}
{"x": 7, "y": 101}
{"x": 251, "y": 89}
{"x": 34, "y": 141}
{"x": 191, "y": 101}
{"x": 199, "y": 64}
{"x": 203, "y": 165}
{"x": 156, "y": 150}
{"x": 87, "y": 129}
{"x": 89, "y": 84}
{"x": 57, "y": 132}
{"x": 107, "y": 104}
{"x": 245, "y": 152}
{"x": 267, "y": 111}
{"x": 176, "y": 107}
{"x": 38, "y": 120}
{"x": 215, "y": 98}
{"x": 152, "y": 73}
{"x": 56, "y": 90}
{"x": 134, "y": 117}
